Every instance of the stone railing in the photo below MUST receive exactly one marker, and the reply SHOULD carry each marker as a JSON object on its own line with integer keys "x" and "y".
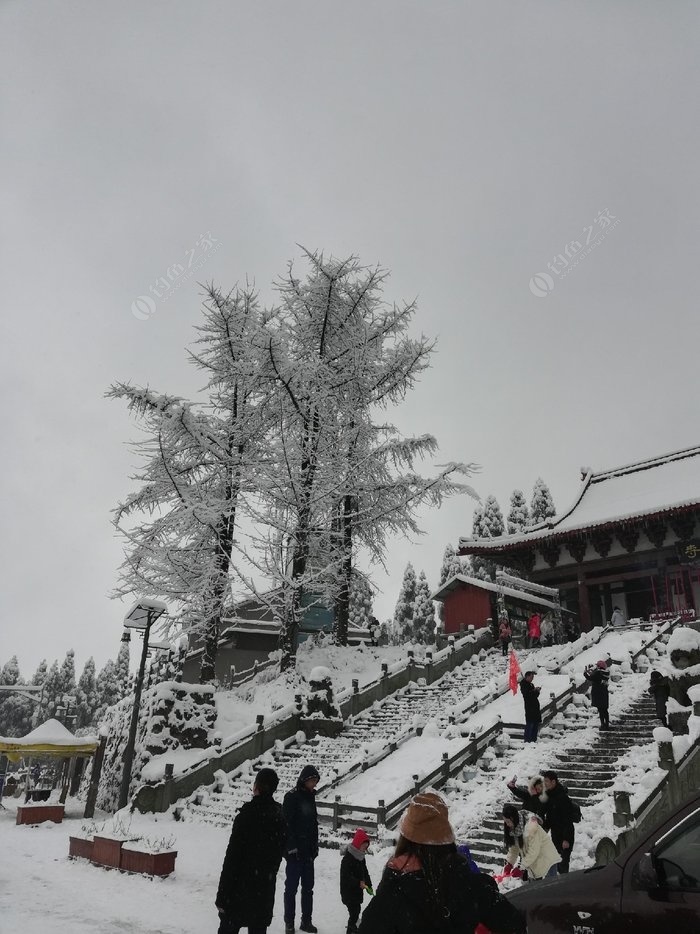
{"x": 682, "y": 779}
{"x": 157, "y": 796}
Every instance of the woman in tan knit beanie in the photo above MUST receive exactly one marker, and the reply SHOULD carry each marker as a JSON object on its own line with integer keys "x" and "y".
{"x": 427, "y": 885}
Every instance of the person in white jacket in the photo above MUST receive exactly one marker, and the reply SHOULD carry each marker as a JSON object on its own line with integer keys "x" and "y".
{"x": 618, "y": 617}
{"x": 528, "y": 842}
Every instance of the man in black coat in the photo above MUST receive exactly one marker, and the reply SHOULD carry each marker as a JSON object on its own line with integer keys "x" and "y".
{"x": 246, "y": 895}
{"x": 599, "y": 676}
{"x": 533, "y": 714}
{"x": 301, "y": 849}
{"x": 559, "y": 814}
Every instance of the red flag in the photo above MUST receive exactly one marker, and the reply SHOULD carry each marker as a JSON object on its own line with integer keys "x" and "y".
{"x": 513, "y": 672}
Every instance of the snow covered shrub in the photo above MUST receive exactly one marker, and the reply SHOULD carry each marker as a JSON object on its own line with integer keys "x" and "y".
{"x": 173, "y": 716}
{"x": 319, "y": 701}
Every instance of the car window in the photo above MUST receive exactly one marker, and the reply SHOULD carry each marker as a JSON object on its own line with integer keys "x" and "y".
{"x": 678, "y": 860}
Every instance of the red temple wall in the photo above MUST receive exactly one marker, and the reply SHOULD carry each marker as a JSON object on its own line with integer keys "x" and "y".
{"x": 467, "y": 606}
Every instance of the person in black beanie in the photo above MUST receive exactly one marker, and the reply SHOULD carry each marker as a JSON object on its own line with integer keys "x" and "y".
{"x": 246, "y": 895}
{"x": 301, "y": 849}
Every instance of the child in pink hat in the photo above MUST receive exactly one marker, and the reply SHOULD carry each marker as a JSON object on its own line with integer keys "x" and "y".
{"x": 354, "y": 878}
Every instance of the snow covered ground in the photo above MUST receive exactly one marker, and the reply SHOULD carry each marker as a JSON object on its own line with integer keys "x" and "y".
{"x": 43, "y": 892}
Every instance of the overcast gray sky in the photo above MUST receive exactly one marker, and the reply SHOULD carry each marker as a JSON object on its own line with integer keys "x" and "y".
{"x": 461, "y": 145}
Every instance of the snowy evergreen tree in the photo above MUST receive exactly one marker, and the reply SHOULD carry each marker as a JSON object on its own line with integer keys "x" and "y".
{"x": 488, "y": 523}
{"x": 122, "y": 668}
{"x": 423, "y": 623}
{"x": 360, "y": 601}
{"x": 542, "y": 505}
{"x": 86, "y": 695}
{"x": 492, "y": 524}
{"x": 452, "y": 564}
{"x": 402, "y": 624}
{"x": 46, "y": 708}
{"x": 67, "y": 683}
{"x": 108, "y": 689}
{"x": 519, "y": 515}
{"x": 200, "y": 461}
{"x": 10, "y": 671}
{"x": 9, "y": 674}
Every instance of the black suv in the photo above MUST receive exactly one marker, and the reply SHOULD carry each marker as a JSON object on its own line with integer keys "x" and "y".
{"x": 651, "y": 888}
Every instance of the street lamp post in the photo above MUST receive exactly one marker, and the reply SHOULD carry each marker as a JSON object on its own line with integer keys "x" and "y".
{"x": 142, "y": 616}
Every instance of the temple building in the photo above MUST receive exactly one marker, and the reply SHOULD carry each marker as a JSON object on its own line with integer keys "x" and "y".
{"x": 628, "y": 540}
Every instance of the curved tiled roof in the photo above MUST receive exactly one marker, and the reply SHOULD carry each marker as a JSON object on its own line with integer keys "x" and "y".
{"x": 656, "y": 487}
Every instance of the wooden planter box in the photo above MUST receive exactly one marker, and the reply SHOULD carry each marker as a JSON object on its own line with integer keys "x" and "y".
{"x": 37, "y": 815}
{"x": 151, "y": 864}
{"x": 79, "y": 846}
{"x": 106, "y": 851}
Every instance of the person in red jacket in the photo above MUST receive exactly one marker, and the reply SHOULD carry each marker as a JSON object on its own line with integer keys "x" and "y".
{"x": 534, "y": 629}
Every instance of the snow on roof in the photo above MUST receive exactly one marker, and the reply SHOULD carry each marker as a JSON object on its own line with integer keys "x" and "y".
{"x": 660, "y": 485}
{"x": 449, "y": 586}
{"x": 50, "y": 733}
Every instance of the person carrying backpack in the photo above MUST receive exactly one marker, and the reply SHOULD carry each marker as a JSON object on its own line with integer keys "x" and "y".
{"x": 560, "y": 814}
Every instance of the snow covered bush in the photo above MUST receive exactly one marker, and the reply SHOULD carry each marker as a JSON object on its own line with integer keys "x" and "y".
{"x": 173, "y": 716}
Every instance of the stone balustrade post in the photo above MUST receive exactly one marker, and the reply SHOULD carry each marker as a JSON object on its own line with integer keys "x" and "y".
{"x": 623, "y": 809}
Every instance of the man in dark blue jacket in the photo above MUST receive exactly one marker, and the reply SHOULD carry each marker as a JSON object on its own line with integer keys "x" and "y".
{"x": 299, "y": 810}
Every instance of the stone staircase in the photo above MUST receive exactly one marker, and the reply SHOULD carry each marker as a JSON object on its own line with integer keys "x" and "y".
{"x": 385, "y": 722}
{"x": 587, "y": 772}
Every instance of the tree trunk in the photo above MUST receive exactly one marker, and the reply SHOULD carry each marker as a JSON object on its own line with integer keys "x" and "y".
{"x": 292, "y": 602}
{"x": 342, "y": 604}
{"x": 224, "y": 533}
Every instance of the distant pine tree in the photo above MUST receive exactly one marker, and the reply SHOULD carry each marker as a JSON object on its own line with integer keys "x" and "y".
{"x": 488, "y": 523}
{"x": 519, "y": 514}
{"x": 360, "y": 601}
{"x": 122, "y": 669}
{"x": 423, "y": 627}
{"x": 108, "y": 689}
{"x": 67, "y": 683}
{"x": 542, "y": 504}
{"x": 492, "y": 524}
{"x": 452, "y": 564}
{"x": 86, "y": 695}
{"x": 49, "y": 701}
{"x": 405, "y": 606}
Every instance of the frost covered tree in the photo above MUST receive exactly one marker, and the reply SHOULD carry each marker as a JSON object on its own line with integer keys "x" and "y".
{"x": 86, "y": 695}
{"x": 492, "y": 524}
{"x": 360, "y": 601}
{"x": 488, "y": 523}
{"x": 49, "y": 700}
{"x": 199, "y": 461}
{"x": 402, "y": 623}
{"x": 423, "y": 623}
{"x": 542, "y": 504}
{"x": 336, "y": 478}
{"x": 9, "y": 675}
{"x": 122, "y": 668}
{"x": 107, "y": 688}
{"x": 452, "y": 565}
{"x": 518, "y": 515}
{"x": 67, "y": 675}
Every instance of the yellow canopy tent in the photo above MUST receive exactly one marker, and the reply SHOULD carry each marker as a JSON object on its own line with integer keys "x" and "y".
{"x": 53, "y": 739}
{"x": 50, "y": 739}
